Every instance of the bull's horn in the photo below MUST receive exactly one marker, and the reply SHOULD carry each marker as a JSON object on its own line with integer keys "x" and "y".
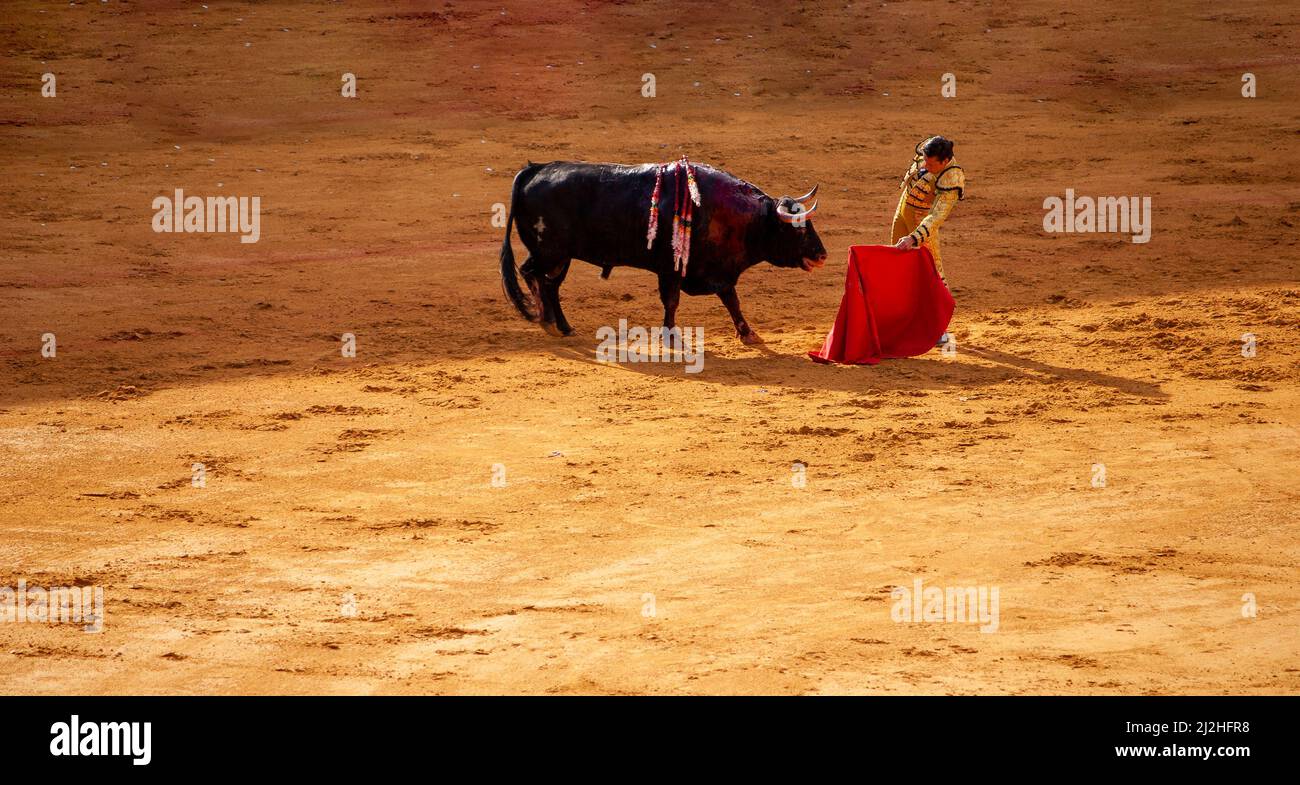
{"x": 791, "y": 217}
{"x": 803, "y": 200}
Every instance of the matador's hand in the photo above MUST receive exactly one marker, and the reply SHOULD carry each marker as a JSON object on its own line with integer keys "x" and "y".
{"x": 904, "y": 242}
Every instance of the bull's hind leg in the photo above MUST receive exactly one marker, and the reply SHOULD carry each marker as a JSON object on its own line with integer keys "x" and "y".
{"x": 551, "y": 286}
{"x": 732, "y": 301}
{"x": 531, "y": 277}
{"x": 544, "y": 278}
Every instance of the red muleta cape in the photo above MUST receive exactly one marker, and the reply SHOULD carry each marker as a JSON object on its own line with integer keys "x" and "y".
{"x": 894, "y": 305}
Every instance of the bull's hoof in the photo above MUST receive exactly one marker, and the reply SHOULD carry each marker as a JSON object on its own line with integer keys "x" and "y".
{"x": 553, "y": 330}
{"x": 750, "y": 338}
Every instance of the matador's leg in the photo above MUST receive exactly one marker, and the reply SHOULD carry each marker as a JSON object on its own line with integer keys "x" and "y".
{"x": 933, "y": 245}
{"x": 900, "y": 226}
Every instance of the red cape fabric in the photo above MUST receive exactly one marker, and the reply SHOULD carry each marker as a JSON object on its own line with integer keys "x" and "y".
{"x": 894, "y": 305}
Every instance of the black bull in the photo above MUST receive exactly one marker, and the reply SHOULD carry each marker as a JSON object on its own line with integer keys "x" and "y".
{"x": 599, "y": 213}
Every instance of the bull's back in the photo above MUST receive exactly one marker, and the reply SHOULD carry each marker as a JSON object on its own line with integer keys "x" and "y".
{"x": 594, "y": 212}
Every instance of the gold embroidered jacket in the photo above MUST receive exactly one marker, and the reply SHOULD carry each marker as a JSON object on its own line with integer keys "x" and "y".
{"x": 937, "y": 193}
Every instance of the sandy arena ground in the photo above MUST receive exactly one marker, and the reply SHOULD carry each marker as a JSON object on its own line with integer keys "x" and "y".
{"x": 349, "y": 538}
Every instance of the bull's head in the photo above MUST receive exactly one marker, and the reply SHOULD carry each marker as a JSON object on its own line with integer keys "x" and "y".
{"x": 794, "y": 242}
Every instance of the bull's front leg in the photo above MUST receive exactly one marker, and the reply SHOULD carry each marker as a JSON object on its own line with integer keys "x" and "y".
{"x": 743, "y": 330}
{"x": 670, "y": 292}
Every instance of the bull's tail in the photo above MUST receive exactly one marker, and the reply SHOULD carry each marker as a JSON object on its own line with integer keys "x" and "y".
{"x": 510, "y": 273}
